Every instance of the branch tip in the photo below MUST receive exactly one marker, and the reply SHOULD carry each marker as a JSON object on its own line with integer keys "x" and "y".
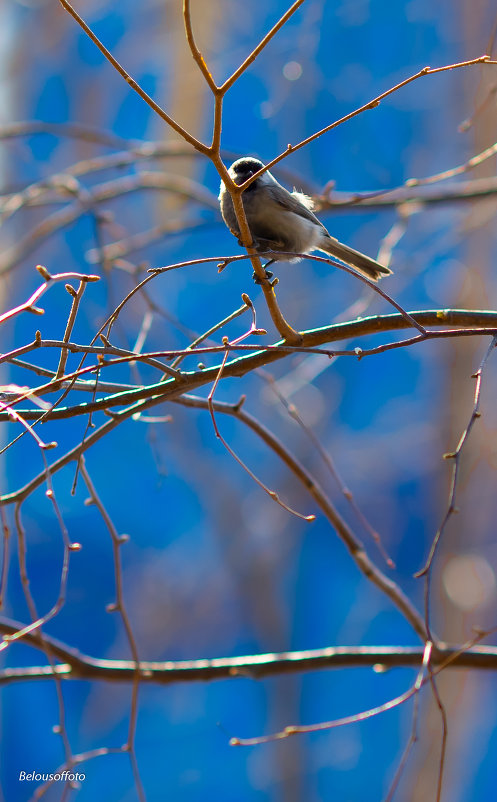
{"x": 239, "y": 404}
{"x": 70, "y": 289}
{"x": 43, "y": 272}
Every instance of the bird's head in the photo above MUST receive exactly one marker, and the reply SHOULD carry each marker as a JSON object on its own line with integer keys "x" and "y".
{"x": 243, "y": 169}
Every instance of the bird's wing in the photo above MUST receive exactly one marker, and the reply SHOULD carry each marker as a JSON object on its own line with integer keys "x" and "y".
{"x": 295, "y": 202}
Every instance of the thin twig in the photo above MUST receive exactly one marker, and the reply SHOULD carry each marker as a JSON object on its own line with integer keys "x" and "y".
{"x": 328, "y": 461}
{"x": 119, "y": 606}
{"x": 414, "y": 727}
{"x": 30, "y": 304}
{"x": 372, "y": 104}
{"x": 76, "y": 298}
{"x": 352, "y": 543}
{"x": 247, "y": 304}
{"x": 262, "y": 44}
{"x": 421, "y": 680}
{"x": 197, "y": 55}
{"x": 131, "y": 82}
{"x": 456, "y": 456}
{"x": 485, "y": 323}
{"x": 212, "y": 406}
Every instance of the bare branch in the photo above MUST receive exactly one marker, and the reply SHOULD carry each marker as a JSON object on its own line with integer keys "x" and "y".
{"x": 373, "y": 104}
{"x": 76, "y": 665}
{"x": 484, "y": 322}
{"x": 262, "y": 44}
{"x": 131, "y": 82}
{"x": 456, "y": 456}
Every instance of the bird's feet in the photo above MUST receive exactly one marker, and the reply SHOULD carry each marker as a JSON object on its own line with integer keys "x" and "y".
{"x": 258, "y": 280}
{"x": 268, "y": 273}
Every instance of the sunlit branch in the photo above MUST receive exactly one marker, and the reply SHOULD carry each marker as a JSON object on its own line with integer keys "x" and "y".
{"x": 131, "y": 82}
{"x": 77, "y": 665}
{"x": 482, "y": 323}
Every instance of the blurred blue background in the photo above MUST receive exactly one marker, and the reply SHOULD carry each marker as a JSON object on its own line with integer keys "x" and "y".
{"x": 213, "y": 567}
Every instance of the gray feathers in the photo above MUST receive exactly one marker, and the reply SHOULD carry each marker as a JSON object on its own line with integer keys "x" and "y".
{"x": 284, "y": 221}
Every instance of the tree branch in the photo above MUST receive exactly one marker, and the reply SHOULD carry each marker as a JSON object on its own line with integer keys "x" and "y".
{"x": 77, "y": 665}
{"x": 482, "y": 322}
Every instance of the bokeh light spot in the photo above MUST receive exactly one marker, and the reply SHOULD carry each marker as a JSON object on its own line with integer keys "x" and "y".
{"x": 292, "y": 70}
{"x": 469, "y": 581}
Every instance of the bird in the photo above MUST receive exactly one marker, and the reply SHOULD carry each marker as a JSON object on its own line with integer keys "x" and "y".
{"x": 283, "y": 221}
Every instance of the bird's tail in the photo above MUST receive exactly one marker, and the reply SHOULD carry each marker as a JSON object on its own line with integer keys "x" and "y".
{"x": 364, "y": 264}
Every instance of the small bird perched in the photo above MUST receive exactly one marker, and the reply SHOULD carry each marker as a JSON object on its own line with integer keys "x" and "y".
{"x": 283, "y": 221}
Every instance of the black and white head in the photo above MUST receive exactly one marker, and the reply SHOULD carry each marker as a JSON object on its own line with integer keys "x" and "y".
{"x": 244, "y": 168}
